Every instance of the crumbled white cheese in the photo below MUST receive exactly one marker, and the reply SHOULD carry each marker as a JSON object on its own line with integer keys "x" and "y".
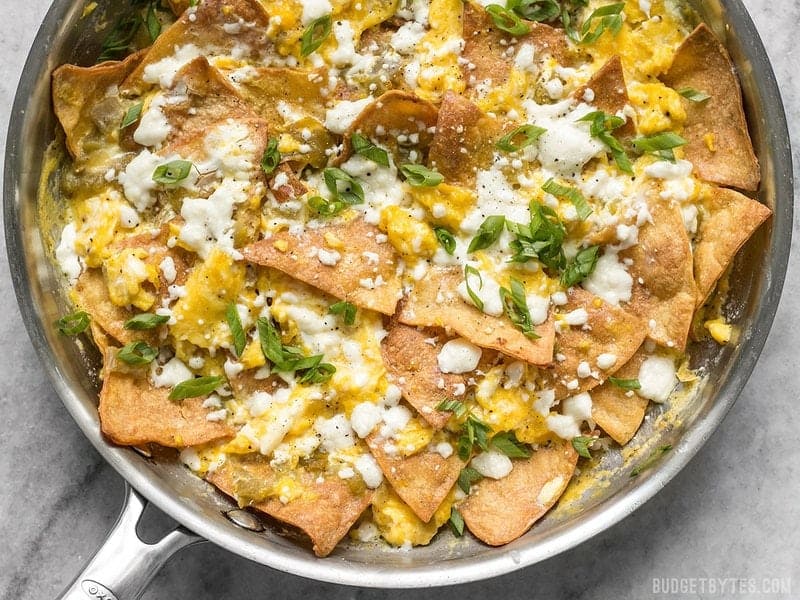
{"x": 314, "y": 9}
{"x": 168, "y": 270}
{"x": 488, "y": 293}
{"x": 538, "y": 307}
{"x": 365, "y": 417}
{"x": 610, "y": 280}
{"x": 153, "y": 126}
{"x": 405, "y": 39}
{"x": 329, "y": 258}
{"x": 549, "y": 491}
{"x": 525, "y": 58}
{"x": 495, "y": 196}
{"x": 163, "y": 71}
{"x": 544, "y": 401}
{"x": 209, "y": 221}
{"x": 458, "y": 356}
{"x": 606, "y": 360}
{"x": 336, "y": 433}
{"x": 664, "y": 169}
{"x": 137, "y": 179}
{"x": 369, "y": 470}
{"x": 493, "y": 464}
{"x": 567, "y": 145}
{"x": 444, "y": 449}
{"x": 67, "y": 258}
{"x": 339, "y": 117}
{"x": 579, "y": 316}
{"x": 657, "y": 378}
{"x": 128, "y": 217}
{"x": 169, "y": 374}
{"x": 584, "y": 369}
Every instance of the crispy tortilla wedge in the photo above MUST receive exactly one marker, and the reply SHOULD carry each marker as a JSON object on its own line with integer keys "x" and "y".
{"x": 464, "y": 140}
{"x": 610, "y": 93}
{"x": 395, "y": 113}
{"x": 719, "y": 145}
{"x": 485, "y": 46}
{"x": 423, "y": 480}
{"x": 83, "y": 104}
{"x": 434, "y": 302}
{"x": 663, "y": 291}
{"x": 205, "y": 28}
{"x": 728, "y": 220}
{"x": 617, "y": 411}
{"x": 325, "y": 511}
{"x": 210, "y": 100}
{"x": 498, "y": 511}
{"x": 133, "y": 411}
{"x": 611, "y": 330}
{"x": 413, "y": 362}
{"x": 354, "y": 277}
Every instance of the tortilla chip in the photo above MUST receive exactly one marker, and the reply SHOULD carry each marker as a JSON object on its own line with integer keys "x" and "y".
{"x": 178, "y": 6}
{"x": 285, "y": 185}
{"x": 485, "y": 46}
{"x": 434, "y": 302}
{"x": 464, "y": 140}
{"x": 83, "y": 104}
{"x": 728, "y": 220}
{"x": 611, "y": 330}
{"x": 610, "y": 92}
{"x": 498, "y": 511}
{"x": 662, "y": 260}
{"x": 133, "y": 411}
{"x": 413, "y": 363}
{"x": 719, "y": 145}
{"x": 91, "y": 295}
{"x": 205, "y": 29}
{"x": 617, "y": 411}
{"x": 422, "y": 480}
{"x": 325, "y": 512}
{"x": 394, "y": 114}
{"x": 353, "y": 278}
{"x": 210, "y": 100}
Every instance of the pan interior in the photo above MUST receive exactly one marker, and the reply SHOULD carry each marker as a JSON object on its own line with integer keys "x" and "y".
{"x": 756, "y": 280}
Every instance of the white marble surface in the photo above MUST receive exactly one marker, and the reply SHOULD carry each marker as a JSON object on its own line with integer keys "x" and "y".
{"x": 733, "y": 512}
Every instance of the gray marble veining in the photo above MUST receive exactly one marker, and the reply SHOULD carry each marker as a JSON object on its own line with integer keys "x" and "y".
{"x": 733, "y": 512}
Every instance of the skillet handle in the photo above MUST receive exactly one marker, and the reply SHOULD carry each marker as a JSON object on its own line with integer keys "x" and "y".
{"x": 124, "y": 564}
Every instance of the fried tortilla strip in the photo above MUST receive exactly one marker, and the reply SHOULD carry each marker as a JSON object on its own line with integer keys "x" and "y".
{"x": 325, "y": 511}
{"x": 210, "y": 100}
{"x": 662, "y": 261}
{"x": 729, "y": 219}
{"x": 285, "y": 185}
{"x": 394, "y": 114}
{"x": 611, "y": 330}
{"x": 498, "y": 511}
{"x": 82, "y": 102}
{"x": 92, "y": 293}
{"x": 719, "y": 145}
{"x": 464, "y": 140}
{"x": 617, "y": 411}
{"x": 610, "y": 92}
{"x": 413, "y": 363}
{"x": 353, "y": 278}
{"x": 204, "y": 28}
{"x": 133, "y": 411}
{"x": 298, "y": 88}
{"x": 434, "y": 302}
{"x": 422, "y": 480}
{"x": 485, "y": 46}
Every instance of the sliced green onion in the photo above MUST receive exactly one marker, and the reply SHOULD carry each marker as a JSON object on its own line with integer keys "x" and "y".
{"x": 324, "y": 207}
{"x": 132, "y": 115}
{"x": 419, "y": 176}
{"x": 73, "y": 324}
{"x": 467, "y": 477}
{"x": 542, "y": 11}
{"x": 237, "y": 331}
{"x": 271, "y": 157}
{"x": 694, "y": 95}
{"x": 582, "y": 207}
{"x": 605, "y": 18}
{"x": 137, "y": 354}
{"x": 145, "y": 321}
{"x": 364, "y": 147}
{"x": 527, "y": 135}
{"x": 456, "y": 522}
{"x": 506, "y": 20}
{"x": 580, "y": 267}
{"x": 193, "y": 388}
{"x": 625, "y": 384}
{"x": 316, "y": 33}
{"x": 515, "y": 304}
{"x": 172, "y": 172}
{"x": 344, "y": 308}
{"x": 470, "y": 270}
{"x": 488, "y": 233}
{"x": 351, "y": 193}
{"x": 581, "y": 444}
{"x": 507, "y": 443}
{"x": 446, "y": 239}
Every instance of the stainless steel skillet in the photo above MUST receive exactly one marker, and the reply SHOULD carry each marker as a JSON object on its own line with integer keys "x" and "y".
{"x": 124, "y": 565}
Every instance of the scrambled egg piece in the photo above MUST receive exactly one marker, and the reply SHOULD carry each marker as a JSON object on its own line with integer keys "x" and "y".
{"x": 658, "y": 108}
{"x": 125, "y": 273}
{"x": 409, "y": 236}
{"x": 399, "y": 525}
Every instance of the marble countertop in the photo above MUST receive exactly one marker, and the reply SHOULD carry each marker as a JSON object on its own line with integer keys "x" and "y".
{"x": 733, "y": 512}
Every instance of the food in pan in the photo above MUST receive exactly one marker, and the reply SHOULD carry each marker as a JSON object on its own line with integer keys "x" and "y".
{"x": 376, "y": 267}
